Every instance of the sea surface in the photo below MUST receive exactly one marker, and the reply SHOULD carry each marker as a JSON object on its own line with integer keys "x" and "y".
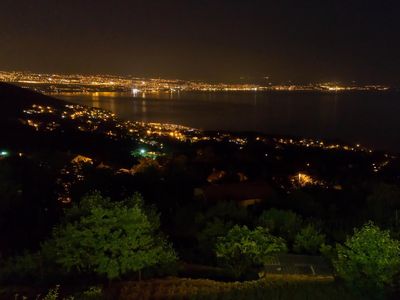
{"x": 369, "y": 118}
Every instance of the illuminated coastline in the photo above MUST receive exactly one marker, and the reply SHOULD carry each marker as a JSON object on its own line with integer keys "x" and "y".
{"x": 102, "y": 84}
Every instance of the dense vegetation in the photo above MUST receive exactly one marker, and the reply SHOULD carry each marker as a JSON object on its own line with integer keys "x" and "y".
{"x": 121, "y": 227}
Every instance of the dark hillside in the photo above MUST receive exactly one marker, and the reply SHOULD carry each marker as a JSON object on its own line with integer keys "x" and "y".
{"x": 14, "y": 99}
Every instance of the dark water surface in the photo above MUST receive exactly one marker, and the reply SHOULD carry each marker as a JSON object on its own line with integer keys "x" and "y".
{"x": 369, "y": 118}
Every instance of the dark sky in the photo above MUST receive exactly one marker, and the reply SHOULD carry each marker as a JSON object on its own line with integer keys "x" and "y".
{"x": 296, "y": 40}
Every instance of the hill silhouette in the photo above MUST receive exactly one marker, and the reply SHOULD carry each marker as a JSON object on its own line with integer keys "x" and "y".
{"x": 17, "y": 136}
{"x": 13, "y": 133}
{"x": 14, "y": 100}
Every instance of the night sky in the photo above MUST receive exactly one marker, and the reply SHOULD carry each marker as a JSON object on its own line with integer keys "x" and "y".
{"x": 229, "y": 40}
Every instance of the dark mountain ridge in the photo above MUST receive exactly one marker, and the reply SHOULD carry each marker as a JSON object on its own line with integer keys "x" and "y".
{"x": 15, "y": 99}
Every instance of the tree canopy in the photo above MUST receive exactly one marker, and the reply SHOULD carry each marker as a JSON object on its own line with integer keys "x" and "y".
{"x": 112, "y": 240}
{"x": 369, "y": 259}
{"x": 243, "y": 248}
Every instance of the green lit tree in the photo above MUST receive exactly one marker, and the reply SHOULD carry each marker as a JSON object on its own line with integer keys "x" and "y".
{"x": 85, "y": 206}
{"x": 110, "y": 239}
{"x": 216, "y": 221}
{"x": 308, "y": 240}
{"x": 242, "y": 248}
{"x": 369, "y": 259}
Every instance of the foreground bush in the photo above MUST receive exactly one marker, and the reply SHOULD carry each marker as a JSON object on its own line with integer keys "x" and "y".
{"x": 111, "y": 240}
{"x": 369, "y": 259}
{"x": 243, "y": 248}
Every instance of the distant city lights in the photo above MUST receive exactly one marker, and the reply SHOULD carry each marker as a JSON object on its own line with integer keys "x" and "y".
{"x": 99, "y": 84}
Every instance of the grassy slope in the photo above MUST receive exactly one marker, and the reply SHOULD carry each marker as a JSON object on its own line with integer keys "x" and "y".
{"x": 273, "y": 287}
{"x": 288, "y": 287}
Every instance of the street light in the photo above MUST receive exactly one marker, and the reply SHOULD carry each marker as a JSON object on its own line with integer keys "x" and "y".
{"x": 4, "y": 153}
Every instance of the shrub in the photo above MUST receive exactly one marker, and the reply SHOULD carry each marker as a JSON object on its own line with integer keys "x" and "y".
{"x": 112, "y": 240}
{"x": 92, "y": 293}
{"x": 52, "y": 294}
{"x": 369, "y": 259}
{"x": 308, "y": 240}
{"x": 243, "y": 248}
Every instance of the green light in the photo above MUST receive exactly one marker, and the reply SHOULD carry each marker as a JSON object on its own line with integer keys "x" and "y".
{"x": 142, "y": 151}
{"x": 4, "y": 153}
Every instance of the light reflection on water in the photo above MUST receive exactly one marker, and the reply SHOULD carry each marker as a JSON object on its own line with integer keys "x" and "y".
{"x": 367, "y": 118}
